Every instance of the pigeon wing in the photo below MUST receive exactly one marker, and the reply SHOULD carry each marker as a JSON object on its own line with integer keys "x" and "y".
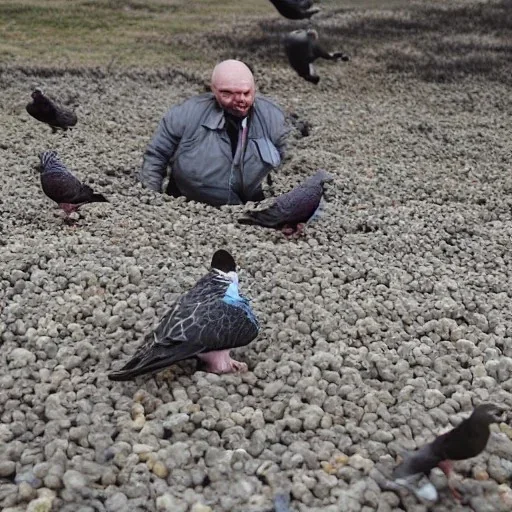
{"x": 61, "y": 186}
{"x": 466, "y": 440}
{"x": 87, "y": 195}
{"x": 294, "y": 207}
{"x": 64, "y": 118}
{"x": 211, "y": 318}
{"x": 156, "y": 353}
{"x": 44, "y": 110}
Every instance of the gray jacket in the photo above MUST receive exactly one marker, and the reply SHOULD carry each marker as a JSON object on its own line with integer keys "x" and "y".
{"x": 193, "y": 139}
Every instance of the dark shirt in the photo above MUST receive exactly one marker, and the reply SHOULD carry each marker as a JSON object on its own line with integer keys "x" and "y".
{"x": 233, "y": 125}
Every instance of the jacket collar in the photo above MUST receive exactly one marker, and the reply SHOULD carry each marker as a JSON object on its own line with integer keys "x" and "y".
{"x": 215, "y": 120}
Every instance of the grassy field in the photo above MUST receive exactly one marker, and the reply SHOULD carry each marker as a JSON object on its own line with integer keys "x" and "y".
{"x": 433, "y": 39}
{"x": 142, "y": 33}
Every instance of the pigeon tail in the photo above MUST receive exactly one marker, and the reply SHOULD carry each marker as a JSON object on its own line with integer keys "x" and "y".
{"x": 267, "y": 218}
{"x": 314, "y": 79}
{"x": 98, "y": 198}
{"x": 155, "y": 360}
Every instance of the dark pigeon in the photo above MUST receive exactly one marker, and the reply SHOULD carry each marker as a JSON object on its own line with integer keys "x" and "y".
{"x": 62, "y": 187}
{"x": 45, "y": 110}
{"x": 465, "y": 441}
{"x": 295, "y": 9}
{"x": 302, "y": 49}
{"x": 206, "y": 322}
{"x": 289, "y": 212}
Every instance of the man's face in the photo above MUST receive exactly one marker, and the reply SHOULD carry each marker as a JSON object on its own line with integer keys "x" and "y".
{"x": 234, "y": 95}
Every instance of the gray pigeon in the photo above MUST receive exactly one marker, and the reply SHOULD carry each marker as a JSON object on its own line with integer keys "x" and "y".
{"x": 45, "y": 110}
{"x": 62, "y": 187}
{"x": 289, "y": 212}
{"x": 465, "y": 441}
{"x": 206, "y": 322}
{"x": 302, "y": 49}
{"x": 295, "y": 9}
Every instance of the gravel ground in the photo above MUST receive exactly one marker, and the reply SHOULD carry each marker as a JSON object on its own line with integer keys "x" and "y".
{"x": 382, "y": 327}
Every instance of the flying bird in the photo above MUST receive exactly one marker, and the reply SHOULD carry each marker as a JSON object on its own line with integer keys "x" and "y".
{"x": 45, "y": 110}
{"x": 295, "y": 9}
{"x": 465, "y": 441}
{"x": 206, "y": 322}
{"x": 64, "y": 188}
{"x": 302, "y": 48}
{"x": 289, "y": 212}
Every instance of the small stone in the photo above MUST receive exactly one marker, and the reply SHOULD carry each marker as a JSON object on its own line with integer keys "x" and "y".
{"x": 273, "y": 388}
{"x": 41, "y": 504}
{"x": 25, "y": 491}
{"x": 160, "y": 470}
{"x": 176, "y": 422}
{"x": 359, "y": 462}
{"x": 506, "y": 429}
{"x": 118, "y": 502}
{"x": 139, "y": 422}
{"x": 74, "y": 480}
{"x": 199, "y": 507}
{"x": 20, "y": 357}
{"x": 7, "y": 468}
{"x": 168, "y": 503}
{"x": 480, "y": 474}
{"x": 142, "y": 448}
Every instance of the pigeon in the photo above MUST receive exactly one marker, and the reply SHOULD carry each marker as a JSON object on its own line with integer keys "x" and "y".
{"x": 206, "y": 322}
{"x": 295, "y": 9}
{"x": 62, "y": 187}
{"x": 463, "y": 442}
{"x": 45, "y": 110}
{"x": 289, "y": 212}
{"x": 302, "y": 49}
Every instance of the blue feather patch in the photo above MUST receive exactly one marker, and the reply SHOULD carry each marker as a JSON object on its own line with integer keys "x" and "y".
{"x": 233, "y": 298}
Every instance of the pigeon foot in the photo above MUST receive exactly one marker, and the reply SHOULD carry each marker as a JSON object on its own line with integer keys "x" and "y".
{"x": 69, "y": 207}
{"x": 219, "y": 361}
{"x": 457, "y": 496}
{"x": 446, "y": 467}
{"x": 291, "y": 232}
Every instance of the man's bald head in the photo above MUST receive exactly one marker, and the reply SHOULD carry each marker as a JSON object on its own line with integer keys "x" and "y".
{"x": 233, "y": 86}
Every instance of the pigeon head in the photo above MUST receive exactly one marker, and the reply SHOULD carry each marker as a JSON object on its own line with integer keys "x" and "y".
{"x": 488, "y": 413}
{"x": 312, "y": 34}
{"x": 321, "y": 176}
{"x": 47, "y": 158}
{"x": 37, "y": 93}
{"x": 223, "y": 261}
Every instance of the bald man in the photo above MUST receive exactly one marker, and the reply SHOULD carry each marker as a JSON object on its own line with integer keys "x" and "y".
{"x": 221, "y": 145}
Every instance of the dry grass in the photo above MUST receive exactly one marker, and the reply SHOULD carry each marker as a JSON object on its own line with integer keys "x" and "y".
{"x": 140, "y": 33}
{"x": 143, "y": 33}
{"x": 433, "y": 40}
